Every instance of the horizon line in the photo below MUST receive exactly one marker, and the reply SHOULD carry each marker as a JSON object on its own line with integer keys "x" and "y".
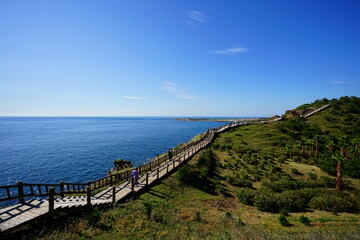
{"x": 141, "y": 116}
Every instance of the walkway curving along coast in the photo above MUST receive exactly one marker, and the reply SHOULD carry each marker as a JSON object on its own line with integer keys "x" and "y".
{"x": 31, "y": 207}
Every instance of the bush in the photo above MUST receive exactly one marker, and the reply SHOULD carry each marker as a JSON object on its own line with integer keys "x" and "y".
{"x": 261, "y": 166}
{"x": 284, "y": 212}
{"x": 333, "y": 203}
{"x": 186, "y": 174}
{"x": 275, "y": 169}
{"x": 239, "y": 181}
{"x": 257, "y": 177}
{"x": 283, "y": 221}
{"x": 328, "y": 182}
{"x": 312, "y": 176}
{"x": 297, "y": 159}
{"x": 282, "y": 185}
{"x": 281, "y": 159}
{"x": 291, "y": 201}
{"x": 207, "y": 160}
{"x": 295, "y": 171}
{"x": 305, "y": 220}
{"x": 266, "y": 201}
{"x": 285, "y": 177}
{"x": 246, "y": 196}
{"x": 94, "y": 217}
{"x": 197, "y": 217}
{"x": 240, "y": 222}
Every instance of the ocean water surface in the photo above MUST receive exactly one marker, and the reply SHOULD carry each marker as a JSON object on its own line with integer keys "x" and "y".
{"x": 81, "y": 149}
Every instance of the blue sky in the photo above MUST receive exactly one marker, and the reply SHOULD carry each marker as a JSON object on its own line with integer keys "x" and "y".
{"x": 175, "y": 58}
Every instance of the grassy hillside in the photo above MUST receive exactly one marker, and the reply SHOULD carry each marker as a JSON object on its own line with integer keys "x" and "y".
{"x": 207, "y": 208}
{"x": 263, "y": 181}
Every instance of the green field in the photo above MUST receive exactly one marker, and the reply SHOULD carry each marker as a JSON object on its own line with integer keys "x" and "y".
{"x": 260, "y": 181}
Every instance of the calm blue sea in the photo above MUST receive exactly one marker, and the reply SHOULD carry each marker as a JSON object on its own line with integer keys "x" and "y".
{"x": 81, "y": 149}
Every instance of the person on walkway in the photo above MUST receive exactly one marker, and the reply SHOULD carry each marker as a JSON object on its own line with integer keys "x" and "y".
{"x": 136, "y": 176}
{"x": 170, "y": 154}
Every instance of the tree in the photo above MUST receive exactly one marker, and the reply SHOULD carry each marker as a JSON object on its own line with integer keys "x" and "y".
{"x": 317, "y": 138}
{"x": 339, "y": 183}
{"x": 329, "y": 142}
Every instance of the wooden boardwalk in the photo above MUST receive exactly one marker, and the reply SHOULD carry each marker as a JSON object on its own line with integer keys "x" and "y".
{"x": 23, "y": 213}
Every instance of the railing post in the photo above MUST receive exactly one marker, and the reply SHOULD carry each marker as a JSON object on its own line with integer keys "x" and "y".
{"x": 157, "y": 173}
{"x": 88, "y": 196}
{"x": 167, "y": 168}
{"x": 173, "y": 164}
{"x": 21, "y": 192}
{"x": 62, "y": 189}
{"x": 147, "y": 178}
{"x": 51, "y": 202}
{"x": 132, "y": 185}
{"x": 113, "y": 194}
{"x": 111, "y": 180}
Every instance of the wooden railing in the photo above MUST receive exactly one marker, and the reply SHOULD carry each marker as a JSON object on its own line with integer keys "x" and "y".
{"x": 21, "y": 190}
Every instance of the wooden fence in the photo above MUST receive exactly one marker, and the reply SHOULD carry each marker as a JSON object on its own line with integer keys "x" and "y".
{"x": 21, "y": 190}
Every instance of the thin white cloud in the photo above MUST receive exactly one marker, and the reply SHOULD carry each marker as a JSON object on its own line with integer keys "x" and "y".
{"x": 336, "y": 88}
{"x": 337, "y": 82}
{"x": 196, "y": 16}
{"x": 133, "y": 98}
{"x": 230, "y": 51}
{"x": 174, "y": 89}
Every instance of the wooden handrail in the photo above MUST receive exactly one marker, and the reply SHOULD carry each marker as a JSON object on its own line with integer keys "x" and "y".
{"x": 42, "y": 189}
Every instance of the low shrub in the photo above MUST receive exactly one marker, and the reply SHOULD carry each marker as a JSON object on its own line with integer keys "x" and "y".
{"x": 297, "y": 159}
{"x": 284, "y": 212}
{"x": 304, "y": 160}
{"x": 186, "y": 174}
{"x": 266, "y": 201}
{"x": 305, "y": 220}
{"x": 328, "y": 181}
{"x": 333, "y": 203}
{"x": 257, "y": 177}
{"x": 197, "y": 217}
{"x": 270, "y": 177}
{"x": 312, "y": 176}
{"x": 239, "y": 181}
{"x": 281, "y": 159}
{"x": 283, "y": 185}
{"x": 295, "y": 171}
{"x": 246, "y": 196}
{"x": 207, "y": 160}
{"x": 275, "y": 169}
{"x": 285, "y": 177}
{"x": 240, "y": 222}
{"x": 283, "y": 221}
{"x": 261, "y": 166}
{"x": 94, "y": 217}
{"x": 291, "y": 201}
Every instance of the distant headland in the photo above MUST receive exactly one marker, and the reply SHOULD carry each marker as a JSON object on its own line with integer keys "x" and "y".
{"x": 217, "y": 119}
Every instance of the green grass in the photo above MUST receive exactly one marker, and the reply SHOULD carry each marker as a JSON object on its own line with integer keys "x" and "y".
{"x": 209, "y": 208}
{"x": 186, "y": 212}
